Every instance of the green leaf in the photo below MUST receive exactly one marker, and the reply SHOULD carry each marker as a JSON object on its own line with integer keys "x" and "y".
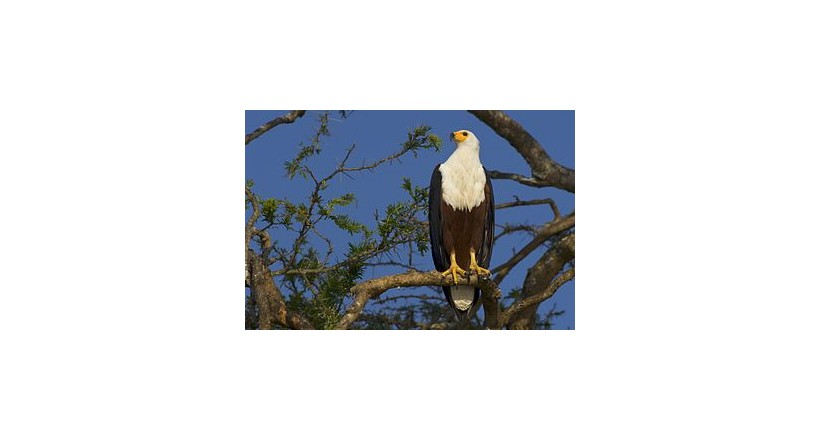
{"x": 269, "y": 208}
{"x": 344, "y": 200}
{"x": 345, "y": 223}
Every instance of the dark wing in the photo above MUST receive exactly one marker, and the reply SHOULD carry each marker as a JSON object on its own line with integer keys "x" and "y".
{"x": 434, "y": 219}
{"x": 489, "y": 226}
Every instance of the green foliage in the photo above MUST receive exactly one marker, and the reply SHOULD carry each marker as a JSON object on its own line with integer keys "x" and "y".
{"x": 345, "y": 223}
{"x": 344, "y": 200}
{"x": 420, "y": 138}
{"x": 316, "y": 284}
{"x": 269, "y": 208}
{"x": 401, "y": 218}
{"x": 297, "y": 166}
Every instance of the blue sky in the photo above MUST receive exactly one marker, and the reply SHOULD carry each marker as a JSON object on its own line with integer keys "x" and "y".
{"x": 380, "y": 133}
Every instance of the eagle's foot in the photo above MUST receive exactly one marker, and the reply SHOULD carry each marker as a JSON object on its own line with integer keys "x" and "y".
{"x": 454, "y": 270}
{"x": 480, "y": 271}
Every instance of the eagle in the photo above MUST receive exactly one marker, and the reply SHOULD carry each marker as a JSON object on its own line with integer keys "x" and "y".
{"x": 462, "y": 220}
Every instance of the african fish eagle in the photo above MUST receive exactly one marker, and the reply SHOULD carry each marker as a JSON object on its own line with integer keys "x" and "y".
{"x": 462, "y": 219}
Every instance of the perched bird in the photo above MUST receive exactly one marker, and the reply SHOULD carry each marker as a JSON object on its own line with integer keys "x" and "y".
{"x": 462, "y": 220}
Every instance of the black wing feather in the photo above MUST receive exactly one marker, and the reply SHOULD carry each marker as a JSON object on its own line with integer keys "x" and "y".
{"x": 434, "y": 219}
{"x": 486, "y": 251}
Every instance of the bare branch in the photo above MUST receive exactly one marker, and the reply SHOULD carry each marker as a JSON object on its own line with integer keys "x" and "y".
{"x": 545, "y": 171}
{"x": 517, "y": 202}
{"x": 507, "y": 229}
{"x": 538, "y": 298}
{"x": 524, "y": 180}
{"x": 367, "y": 290}
{"x": 375, "y": 164}
{"x": 329, "y": 244}
{"x": 285, "y": 119}
{"x": 554, "y": 227}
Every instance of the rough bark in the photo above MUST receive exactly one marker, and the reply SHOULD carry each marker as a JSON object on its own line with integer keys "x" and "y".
{"x": 269, "y": 300}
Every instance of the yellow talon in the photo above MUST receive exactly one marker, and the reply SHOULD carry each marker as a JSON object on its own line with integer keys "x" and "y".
{"x": 475, "y": 267}
{"x": 454, "y": 269}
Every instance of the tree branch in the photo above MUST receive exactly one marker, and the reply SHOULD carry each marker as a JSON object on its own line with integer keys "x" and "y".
{"x": 545, "y": 171}
{"x": 271, "y": 303}
{"x": 538, "y": 298}
{"x": 285, "y": 119}
{"x": 554, "y": 227}
{"x": 367, "y": 290}
{"x": 268, "y": 297}
{"x": 517, "y": 202}
{"x": 539, "y": 277}
{"x": 507, "y": 229}
{"x": 524, "y": 180}
{"x": 249, "y": 231}
{"x": 249, "y": 228}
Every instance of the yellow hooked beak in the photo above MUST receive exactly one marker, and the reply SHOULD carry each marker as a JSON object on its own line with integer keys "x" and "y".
{"x": 459, "y": 136}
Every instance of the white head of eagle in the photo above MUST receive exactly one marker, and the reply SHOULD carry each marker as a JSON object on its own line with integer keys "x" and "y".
{"x": 462, "y": 220}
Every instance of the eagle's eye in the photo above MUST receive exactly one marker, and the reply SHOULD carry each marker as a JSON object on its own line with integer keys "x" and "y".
{"x": 464, "y": 133}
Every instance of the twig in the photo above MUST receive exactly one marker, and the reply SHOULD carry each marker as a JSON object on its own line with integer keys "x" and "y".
{"x": 517, "y": 202}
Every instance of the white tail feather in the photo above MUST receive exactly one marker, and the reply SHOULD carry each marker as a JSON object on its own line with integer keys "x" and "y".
{"x": 462, "y": 297}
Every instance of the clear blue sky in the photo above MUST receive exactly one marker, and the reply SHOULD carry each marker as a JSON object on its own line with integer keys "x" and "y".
{"x": 380, "y": 133}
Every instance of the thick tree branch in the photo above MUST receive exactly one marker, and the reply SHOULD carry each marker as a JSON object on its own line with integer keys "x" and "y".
{"x": 367, "y": 290}
{"x": 271, "y": 303}
{"x": 249, "y": 228}
{"x": 249, "y": 231}
{"x": 284, "y": 119}
{"x": 554, "y": 227}
{"x": 545, "y": 171}
{"x": 266, "y": 295}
